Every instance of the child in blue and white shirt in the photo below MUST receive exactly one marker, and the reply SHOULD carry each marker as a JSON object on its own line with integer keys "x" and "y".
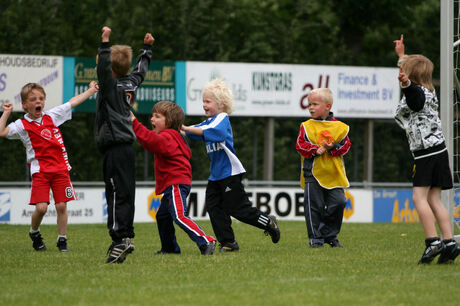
{"x": 217, "y": 133}
{"x": 225, "y": 194}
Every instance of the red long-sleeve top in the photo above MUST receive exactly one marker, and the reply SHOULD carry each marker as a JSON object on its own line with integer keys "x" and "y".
{"x": 308, "y": 149}
{"x": 172, "y": 155}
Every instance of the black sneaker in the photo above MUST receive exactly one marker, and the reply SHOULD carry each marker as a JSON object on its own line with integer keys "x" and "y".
{"x": 118, "y": 252}
{"x": 448, "y": 255}
{"x": 37, "y": 241}
{"x": 273, "y": 230}
{"x": 334, "y": 243}
{"x": 229, "y": 247}
{"x": 432, "y": 250}
{"x": 208, "y": 249}
{"x": 62, "y": 244}
{"x": 316, "y": 245}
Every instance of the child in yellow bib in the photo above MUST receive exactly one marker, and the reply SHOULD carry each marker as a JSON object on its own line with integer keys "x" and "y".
{"x": 322, "y": 142}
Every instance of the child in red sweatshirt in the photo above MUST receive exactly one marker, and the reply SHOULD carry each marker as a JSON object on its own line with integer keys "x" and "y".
{"x": 173, "y": 174}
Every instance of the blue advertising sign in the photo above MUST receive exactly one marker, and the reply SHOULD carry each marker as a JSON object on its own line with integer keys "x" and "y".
{"x": 5, "y": 206}
{"x": 457, "y": 206}
{"x": 394, "y": 205}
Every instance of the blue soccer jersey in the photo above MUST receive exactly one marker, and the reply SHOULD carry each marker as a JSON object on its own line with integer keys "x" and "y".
{"x": 218, "y": 136}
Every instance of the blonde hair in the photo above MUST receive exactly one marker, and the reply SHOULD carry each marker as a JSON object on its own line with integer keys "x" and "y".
{"x": 419, "y": 69}
{"x": 121, "y": 56}
{"x": 221, "y": 93}
{"x": 26, "y": 89}
{"x": 174, "y": 114}
{"x": 325, "y": 94}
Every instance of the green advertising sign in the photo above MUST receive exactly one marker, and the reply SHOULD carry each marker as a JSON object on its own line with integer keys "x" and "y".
{"x": 158, "y": 85}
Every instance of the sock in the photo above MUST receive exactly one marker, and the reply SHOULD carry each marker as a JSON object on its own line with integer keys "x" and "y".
{"x": 32, "y": 231}
{"x": 63, "y": 236}
{"x": 429, "y": 241}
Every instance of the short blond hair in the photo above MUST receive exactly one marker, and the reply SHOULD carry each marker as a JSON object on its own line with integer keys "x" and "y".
{"x": 324, "y": 93}
{"x": 174, "y": 114}
{"x": 121, "y": 56}
{"x": 419, "y": 69}
{"x": 26, "y": 89}
{"x": 221, "y": 93}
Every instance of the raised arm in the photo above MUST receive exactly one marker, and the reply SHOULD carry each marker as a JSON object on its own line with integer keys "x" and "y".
{"x": 143, "y": 61}
{"x": 7, "y": 109}
{"x": 77, "y": 100}
{"x": 148, "y": 39}
{"x": 402, "y": 77}
{"x": 399, "y": 46}
{"x": 104, "y": 63}
{"x": 105, "y": 36}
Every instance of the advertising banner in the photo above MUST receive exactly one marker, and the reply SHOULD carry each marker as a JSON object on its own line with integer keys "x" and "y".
{"x": 18, "y": 70}
{"x": 281, "y": 90}
{"x": 14, "y": 208}
{"x": 457, "y": 206}
{"x": 287, "y": 203}
{"x": 158, "y": 85}
{"x": 91, "y": 206}
{"x": 394, "y": 205}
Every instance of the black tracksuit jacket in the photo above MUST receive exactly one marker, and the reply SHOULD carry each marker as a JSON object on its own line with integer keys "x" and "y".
{"x": 115, "y": 98}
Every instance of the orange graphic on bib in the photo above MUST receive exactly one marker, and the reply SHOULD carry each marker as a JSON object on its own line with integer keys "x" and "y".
{"x": 328, "y": 138}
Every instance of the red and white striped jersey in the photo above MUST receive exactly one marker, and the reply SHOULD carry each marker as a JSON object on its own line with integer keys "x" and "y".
{"x": 42, "y": 139}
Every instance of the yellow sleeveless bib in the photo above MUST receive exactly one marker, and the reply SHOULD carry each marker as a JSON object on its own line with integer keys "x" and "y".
{"x": 328, "y": 170}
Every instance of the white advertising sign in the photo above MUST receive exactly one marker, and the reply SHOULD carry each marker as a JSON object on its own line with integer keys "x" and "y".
{"x": 287, "y": 203}
{"x": 277, "y": 90}
{"x": 87, "y": 209}
{"x": 18, "y": 70}
{"x": 91, "y": 206}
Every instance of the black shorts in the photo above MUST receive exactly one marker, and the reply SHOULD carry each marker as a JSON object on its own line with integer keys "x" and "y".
{"x": 433, "y": 170}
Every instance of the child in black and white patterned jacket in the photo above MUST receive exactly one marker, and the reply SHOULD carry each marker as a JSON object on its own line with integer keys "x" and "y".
{"x": 417, "y": 114}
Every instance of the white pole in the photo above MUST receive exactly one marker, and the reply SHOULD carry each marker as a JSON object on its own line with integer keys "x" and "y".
{"x": 447, "y": 98}
{"x": 369, "y": 153}
{"x": 268, "y": 149}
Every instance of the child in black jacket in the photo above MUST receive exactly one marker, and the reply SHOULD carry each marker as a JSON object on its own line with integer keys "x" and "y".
{"x": 114, "y": 136}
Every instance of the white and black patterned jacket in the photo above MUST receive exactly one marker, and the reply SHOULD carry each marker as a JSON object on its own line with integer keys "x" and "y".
{"x": 417, "y": 114}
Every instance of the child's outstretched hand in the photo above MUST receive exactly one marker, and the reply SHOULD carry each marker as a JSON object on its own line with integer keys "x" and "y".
{"x": 132, "y": 116}
{"x": 148, "y": 39}
{"x": 403, "y": 78}
{"x": 7, "y": 108}
{"x": 195, "y": 130}
{"x": 399, "y": 46}
{"x": 106, "y": 34}
{"x": 94, "y": 86}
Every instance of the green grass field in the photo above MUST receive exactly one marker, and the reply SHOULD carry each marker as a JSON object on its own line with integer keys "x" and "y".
{"x": 377, "y": 266}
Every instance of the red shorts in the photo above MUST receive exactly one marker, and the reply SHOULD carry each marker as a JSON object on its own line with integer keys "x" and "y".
{"x": 59, "y": 184}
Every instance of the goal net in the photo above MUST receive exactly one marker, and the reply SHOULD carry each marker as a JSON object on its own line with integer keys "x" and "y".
{"x": 455, "y": 115}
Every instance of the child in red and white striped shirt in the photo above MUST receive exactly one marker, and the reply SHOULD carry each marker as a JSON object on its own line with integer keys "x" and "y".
{"x": 46, "y": 155}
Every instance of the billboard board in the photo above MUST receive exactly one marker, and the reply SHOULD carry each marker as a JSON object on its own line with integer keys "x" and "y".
{"x": 278, "y": 90}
